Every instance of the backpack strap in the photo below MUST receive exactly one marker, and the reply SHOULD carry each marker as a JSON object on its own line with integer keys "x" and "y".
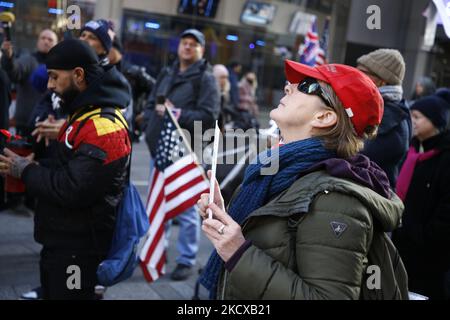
{"x": 197, "y": 83}
{"x": 115, "y": 116}
{"x": 159, "y": 79}
{"x": 94, "y": 237}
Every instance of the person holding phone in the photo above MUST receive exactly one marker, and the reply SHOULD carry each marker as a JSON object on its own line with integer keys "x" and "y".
{"x": 189, "y": 89}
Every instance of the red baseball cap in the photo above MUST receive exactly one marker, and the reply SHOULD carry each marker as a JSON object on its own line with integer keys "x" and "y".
{"x": 361, "y": 98}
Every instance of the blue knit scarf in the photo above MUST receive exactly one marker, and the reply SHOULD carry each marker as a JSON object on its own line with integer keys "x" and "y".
{"x": 257, "y": 190}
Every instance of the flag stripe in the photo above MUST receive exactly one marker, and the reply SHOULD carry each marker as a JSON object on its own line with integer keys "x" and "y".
{"x": 185, "y": 195}
{"x": 157, "y": 205}
{"x": 183, "y": 162}
{"x": 176, "y": 179}
{"x": 156, "y": 262}
{"x": 313, "y": 36}
{"x": 161, "y": 263}
{"x": 154, "y": 191}
{"x": 155, "y": 226}
{"x": 157, "y": 253}
{"x": 155, "y": 241}
{"x": 151, "y": 183}
{"x": 146, "y": 273}
{"x": 188, "y": 181}
{"x": 184, "y": 206}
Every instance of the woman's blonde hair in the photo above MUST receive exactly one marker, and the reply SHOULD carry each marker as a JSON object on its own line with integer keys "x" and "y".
{"x": 342, "y": 137}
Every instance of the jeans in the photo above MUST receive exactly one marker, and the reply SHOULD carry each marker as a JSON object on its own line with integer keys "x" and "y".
{"x": 189, "y": 236}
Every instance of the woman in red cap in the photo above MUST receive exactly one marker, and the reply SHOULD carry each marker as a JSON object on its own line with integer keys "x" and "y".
{"x": 304, "y": 230}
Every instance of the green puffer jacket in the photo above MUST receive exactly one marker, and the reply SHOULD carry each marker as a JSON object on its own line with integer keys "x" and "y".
{"x": 331, "y": 221}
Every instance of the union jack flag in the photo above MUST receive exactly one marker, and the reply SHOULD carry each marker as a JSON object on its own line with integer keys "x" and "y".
{"x": 313, "y": 52}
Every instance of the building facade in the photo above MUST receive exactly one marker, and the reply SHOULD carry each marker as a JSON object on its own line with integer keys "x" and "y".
{"x": 258, "y": 34}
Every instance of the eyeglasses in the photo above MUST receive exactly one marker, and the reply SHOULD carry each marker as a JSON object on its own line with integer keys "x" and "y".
{"x": 312, "y": 87}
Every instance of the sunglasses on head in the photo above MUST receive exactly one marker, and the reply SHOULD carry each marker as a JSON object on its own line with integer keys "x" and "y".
{"x": 312, "y": 87}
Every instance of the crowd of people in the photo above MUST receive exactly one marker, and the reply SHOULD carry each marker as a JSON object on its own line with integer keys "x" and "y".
{"x": 362, "y": 170}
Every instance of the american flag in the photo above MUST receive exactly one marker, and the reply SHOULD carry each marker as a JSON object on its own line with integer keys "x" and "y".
{"x": 313, "y": 52}
{"x": 176, "y": 183}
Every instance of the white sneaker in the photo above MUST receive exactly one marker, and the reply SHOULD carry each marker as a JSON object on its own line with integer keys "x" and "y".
{"x": 35, "y": 294}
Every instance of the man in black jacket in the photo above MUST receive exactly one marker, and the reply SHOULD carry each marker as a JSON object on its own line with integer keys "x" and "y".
{"x": 79, "y": 190}
{"x": 190, "y": 87}
{"x": 386, "y": 68}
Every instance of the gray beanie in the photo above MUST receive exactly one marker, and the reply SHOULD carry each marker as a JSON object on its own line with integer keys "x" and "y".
{"x": 387, "y": 64}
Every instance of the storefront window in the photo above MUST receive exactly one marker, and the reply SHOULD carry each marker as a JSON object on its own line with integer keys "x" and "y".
{"x": 38, "y": 15}
{"x": 323, "y": 6}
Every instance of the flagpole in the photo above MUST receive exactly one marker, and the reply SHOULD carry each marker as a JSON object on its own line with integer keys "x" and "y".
{"x": 212, "y": 183}
{"x": 188, "y": 145}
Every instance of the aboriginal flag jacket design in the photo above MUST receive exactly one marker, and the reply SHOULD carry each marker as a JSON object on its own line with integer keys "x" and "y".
{"x": 78, "y": 190}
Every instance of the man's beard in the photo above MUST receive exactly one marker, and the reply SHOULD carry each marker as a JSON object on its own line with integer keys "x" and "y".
{"x": 67, "y": 98}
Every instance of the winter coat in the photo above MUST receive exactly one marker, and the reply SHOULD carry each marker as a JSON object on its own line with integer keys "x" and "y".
{"x": 331, "y": 221}
{"x": 234, "y": 88}
{"x": 20, "y": 71}
{"x": 391, "y": 145}
{"x": 424, "y": 237}
{"x": 194, "y": 91}
{"x": 78, "y": 191}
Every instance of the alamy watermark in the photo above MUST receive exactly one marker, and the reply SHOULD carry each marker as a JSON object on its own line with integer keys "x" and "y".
{"x": 68, "y": 16}
{"x": 236, "y": 147}
{"x": 374, "y": 280}
{"x": 374, "y": 20}
{"x": 74, "y": 279}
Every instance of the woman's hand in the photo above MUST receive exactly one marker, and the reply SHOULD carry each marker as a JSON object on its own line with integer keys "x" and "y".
{"x": 224, "y": 233}
{"x": 204, "y": 199}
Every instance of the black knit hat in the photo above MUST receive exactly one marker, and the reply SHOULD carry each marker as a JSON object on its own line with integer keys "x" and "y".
{"x": 436, "y": 108}
{"x": 70, "y": 54}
